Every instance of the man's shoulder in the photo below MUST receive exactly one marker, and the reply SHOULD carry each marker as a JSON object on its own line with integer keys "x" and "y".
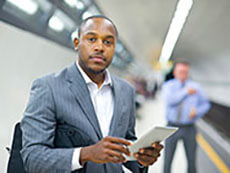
{"x": 122, "y": 82}
{"x": 169, "y": 83}
{"x": 54, "y": 76}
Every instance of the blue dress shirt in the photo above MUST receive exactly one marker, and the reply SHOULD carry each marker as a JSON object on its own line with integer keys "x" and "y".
{"x": 176, "y": 95}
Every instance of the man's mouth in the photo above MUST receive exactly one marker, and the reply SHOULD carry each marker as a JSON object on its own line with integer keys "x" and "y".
{"x": 98, "y": 58}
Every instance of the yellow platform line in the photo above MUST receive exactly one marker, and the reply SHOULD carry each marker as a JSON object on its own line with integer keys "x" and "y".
{"x": 212, "y": 154}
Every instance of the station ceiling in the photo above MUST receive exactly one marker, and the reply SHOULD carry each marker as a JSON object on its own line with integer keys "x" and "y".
{"x": 143, "y": 25}
{"x": 204, "y": 40}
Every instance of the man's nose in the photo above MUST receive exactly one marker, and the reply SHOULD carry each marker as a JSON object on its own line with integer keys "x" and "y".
{"x": 99, "y": 46}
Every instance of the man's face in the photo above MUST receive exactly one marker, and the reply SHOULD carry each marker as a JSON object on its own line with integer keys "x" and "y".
{"x": 96, "y": 45}
{"x": 181, "y": 71}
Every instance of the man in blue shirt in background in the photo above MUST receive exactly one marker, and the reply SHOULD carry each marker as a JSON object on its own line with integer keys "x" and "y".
{"x": 185, "y": 104}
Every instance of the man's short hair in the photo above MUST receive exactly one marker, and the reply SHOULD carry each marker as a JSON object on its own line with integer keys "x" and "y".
{"x": 181, "y": 61}
{"x": 92, "y": 17}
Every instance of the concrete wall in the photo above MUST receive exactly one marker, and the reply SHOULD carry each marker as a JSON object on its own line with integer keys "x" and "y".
{"x": 213, "y": 74}
{"x": 24, "y": 57}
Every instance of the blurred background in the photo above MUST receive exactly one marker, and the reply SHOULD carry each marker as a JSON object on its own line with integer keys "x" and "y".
{"x": 36, "y": 39}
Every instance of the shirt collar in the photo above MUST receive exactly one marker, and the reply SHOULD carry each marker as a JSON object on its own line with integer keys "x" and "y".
{"x": 182, "y": 83}
{"x": 107, "y": 81}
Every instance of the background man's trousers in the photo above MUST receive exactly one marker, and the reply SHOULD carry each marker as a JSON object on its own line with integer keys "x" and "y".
{"x": 188, "y": 136}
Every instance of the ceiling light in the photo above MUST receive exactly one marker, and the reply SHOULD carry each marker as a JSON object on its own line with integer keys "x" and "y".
{"x": 71, "y": 3}
{"x": 75, "y": 3}
{"x": 182, "y": 11}
{"x": 56, "y": 24}
{"x": 86, "y": 14}
{"x": 79, "y": 5}
{"x": 28, "y": 6}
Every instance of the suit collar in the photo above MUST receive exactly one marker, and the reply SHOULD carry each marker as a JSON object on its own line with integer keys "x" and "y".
{"x": 107, "y": 81}
{"x": 117, "y": 92}
{"x": 82, "y": 96}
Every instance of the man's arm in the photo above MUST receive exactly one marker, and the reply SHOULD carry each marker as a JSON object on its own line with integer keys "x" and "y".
{"x": 38, "y": 127}
{"x": 203, "y": 105}
{"x": 173, "y": 97}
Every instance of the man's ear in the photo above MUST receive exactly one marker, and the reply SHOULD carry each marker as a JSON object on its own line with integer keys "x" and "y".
{"x": 76, "y": 42}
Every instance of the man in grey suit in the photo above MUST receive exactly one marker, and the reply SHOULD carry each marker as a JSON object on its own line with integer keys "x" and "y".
{"x": 82, "y": 118}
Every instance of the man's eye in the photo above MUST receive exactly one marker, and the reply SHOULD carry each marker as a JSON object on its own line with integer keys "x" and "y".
{"x": 107, "y": 42}
{"x": 92, "y": 39}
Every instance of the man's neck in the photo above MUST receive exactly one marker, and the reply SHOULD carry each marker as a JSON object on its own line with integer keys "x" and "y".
{"x": 97, "y": 78}
{"x": 181, "y": 81}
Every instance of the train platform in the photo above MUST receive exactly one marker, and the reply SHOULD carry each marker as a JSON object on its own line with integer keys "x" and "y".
{"x": 213, "y": 153}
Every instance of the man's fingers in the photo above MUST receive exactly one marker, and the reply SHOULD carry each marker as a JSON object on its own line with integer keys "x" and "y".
{"x": 145, "y": 160}
{"x": 117, "y": 155}
{"x": 109, "y": 149}
{"x": 117, "y": 147}
{"x": 149, "y": 152}
{"x": 114, "y": 159}
{"x": 117, "y": 140}
{"x": 147, "y": 156}
{"x": 191, "y": 91}
{"x": 117, "y": 144}
{"x": 157, "y": 146}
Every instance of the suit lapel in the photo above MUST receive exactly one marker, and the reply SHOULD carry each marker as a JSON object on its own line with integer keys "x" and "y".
{"x": 117, "y": 106}
{"x": 82, "y": 95}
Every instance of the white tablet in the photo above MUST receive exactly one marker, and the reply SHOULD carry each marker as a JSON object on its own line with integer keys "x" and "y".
{"x": 155, "y": 134}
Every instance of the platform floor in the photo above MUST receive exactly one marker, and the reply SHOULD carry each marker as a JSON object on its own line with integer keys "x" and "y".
{"x": 209, "y": 159}
{"x": 151, "y": 113}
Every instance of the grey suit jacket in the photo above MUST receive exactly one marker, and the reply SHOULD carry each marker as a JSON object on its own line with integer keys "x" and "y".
{"x": 64, "y": 97}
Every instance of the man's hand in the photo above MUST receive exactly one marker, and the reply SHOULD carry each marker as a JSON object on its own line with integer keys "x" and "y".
{"x": 192, "y": 113}
{"x": 109, "y": 149}
{"x": 147, "y": 156}
{"x": 191, "y": 91}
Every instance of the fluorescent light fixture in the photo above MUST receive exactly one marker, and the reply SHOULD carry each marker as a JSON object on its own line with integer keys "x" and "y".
{"x": 71, "y": 3}
{"x": 79, "y": 5}
{"x": 182, "y": 11}
{"x": 56, "y": 24}
{"x": 75, "y": 3}
{"x": 86, "y": 14}
{"x": 28, "y": 6}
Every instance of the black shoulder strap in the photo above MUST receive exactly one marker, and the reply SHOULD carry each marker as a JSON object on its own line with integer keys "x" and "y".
{"x": 15, "y": 163}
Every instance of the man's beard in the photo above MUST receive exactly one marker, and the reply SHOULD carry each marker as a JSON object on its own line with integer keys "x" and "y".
{"x": 94, "y": 71}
